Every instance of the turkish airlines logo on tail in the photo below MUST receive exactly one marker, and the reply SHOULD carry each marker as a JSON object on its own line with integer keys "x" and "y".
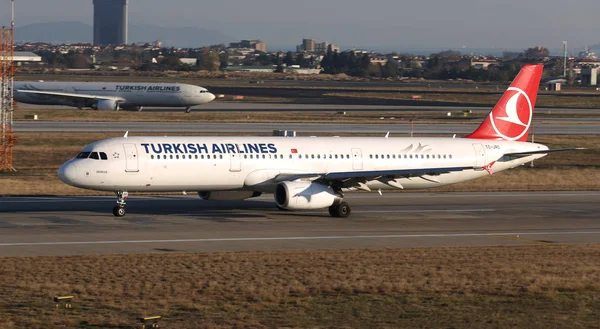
{"x": 516, "y": 120}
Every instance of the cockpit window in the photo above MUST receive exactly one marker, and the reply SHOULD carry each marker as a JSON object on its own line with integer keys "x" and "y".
{"x": 103, "y": 156}
{"x": 94, "y": 156}
{"x": 83, "y": 155}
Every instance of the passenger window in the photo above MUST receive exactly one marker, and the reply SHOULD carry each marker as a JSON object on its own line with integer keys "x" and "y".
{"x": 336, "y": 156}
{"x": 196, "y": 156}
{"x": 347, "y": 156}
{"x": 103, "y": 156}
{"x": 152, "y": 156}
{"x": 94, "y": 156}
{"x": 171, "y": 156}
{"x": 450, "y": 156}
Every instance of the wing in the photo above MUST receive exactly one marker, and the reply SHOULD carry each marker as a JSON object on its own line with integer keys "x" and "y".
{"x": 358, "y": 179}
{"x": 71, "y": 96}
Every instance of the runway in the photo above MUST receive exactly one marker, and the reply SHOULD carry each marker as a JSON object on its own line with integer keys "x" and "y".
{"x": 222, "y": 106}
{"x": 552, "y": 128}
{"x": 84, "y": 225}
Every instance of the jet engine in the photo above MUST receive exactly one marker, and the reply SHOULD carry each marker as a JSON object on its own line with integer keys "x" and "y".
{"x": 227, "y": 195}
{"x": 106, "y": 105}
{"x": 305, "y": 195}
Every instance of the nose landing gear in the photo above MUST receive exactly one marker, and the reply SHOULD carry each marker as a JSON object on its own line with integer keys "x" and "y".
{"x": 119, "y": 209}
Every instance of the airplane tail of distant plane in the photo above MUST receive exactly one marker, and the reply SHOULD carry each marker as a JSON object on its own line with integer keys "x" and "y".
{"x": 511, "y": 118}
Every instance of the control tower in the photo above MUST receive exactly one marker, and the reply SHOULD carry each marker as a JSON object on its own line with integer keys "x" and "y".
{"x": 110, "y": 22}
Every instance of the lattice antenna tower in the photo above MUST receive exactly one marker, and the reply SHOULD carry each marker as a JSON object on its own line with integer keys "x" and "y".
{"x": 7, "y": 104}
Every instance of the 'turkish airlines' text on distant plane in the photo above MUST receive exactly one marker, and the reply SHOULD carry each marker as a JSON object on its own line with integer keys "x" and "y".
{"x": 311, "y": 172}
{"x": 111, "y": 95}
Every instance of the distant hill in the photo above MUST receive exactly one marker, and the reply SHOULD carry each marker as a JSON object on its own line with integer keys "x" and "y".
{"x": 57, "y": 32}
{"x": 69, "y": 32}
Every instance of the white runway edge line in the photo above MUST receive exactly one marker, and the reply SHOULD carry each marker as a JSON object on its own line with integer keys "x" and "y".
{"x": 333, "y": 237}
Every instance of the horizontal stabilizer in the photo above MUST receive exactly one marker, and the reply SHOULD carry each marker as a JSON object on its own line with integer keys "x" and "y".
{"x": 523, "y": 154}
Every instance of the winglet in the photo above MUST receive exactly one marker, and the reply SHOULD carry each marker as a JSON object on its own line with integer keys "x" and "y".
{"x": 387, "y": 135}
{"x": 126, "y": 134}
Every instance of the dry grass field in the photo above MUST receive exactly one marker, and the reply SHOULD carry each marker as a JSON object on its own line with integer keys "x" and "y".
{"x": 541, "y": 286}
{"x": 38, "y": 157}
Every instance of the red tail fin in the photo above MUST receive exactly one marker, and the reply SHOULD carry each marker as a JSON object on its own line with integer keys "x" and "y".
{"x": 511, "y": 118}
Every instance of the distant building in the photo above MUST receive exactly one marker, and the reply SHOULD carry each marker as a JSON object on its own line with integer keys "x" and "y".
{"x": 482, "y": 64}
{"x": 110, "y": 22}
{"x": 24, "y": 57}
{"x": 308, "y": 45}
{"x": 321, "y": 47}
{"x": 589, "y": 76}
{"x": 254, "y": 44}
{"x": 312, "y": 46}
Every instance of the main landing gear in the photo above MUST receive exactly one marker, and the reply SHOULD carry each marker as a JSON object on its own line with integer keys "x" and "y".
{"x": 340, "y": 210}
{"x": 188, "y": 109}
{"x": 119, "y": 209}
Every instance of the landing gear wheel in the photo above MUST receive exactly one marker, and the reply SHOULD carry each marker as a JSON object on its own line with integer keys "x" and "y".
{"x": 341, "y": 210}
{"x": 188, "y": 109}
{"x": 119, "y": 211}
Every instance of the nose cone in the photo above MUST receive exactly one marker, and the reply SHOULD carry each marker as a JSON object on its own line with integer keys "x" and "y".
{"x": 68, "y": 173}
{"x": 210, "y": 97}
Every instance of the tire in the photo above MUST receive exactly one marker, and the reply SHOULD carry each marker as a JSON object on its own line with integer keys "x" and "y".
{"x": 119, "y": 211}
{"x": 341, "y": 210}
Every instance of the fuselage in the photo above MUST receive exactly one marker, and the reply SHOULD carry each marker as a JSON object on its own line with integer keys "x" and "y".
{"x": 164, "y": 164}
{"x": 132, "y": 94}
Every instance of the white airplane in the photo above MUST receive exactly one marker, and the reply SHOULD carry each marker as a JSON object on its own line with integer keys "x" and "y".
{"x": 111, "y": 95}
{"x": 311, "y": 172}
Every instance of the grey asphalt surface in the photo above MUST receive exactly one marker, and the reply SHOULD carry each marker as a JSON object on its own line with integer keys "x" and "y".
{"x": 221, "y": 106}
{"x": 552, "y": 128}
{"x": 84, "y": 225}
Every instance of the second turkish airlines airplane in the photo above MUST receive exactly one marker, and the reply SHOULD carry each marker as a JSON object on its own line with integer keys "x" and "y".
{"x": 311, "y": 172}
{"x": 111, "y": 96}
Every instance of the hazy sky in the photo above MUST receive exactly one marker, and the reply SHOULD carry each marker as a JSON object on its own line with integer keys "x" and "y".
{"x": 389, "y": 24}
